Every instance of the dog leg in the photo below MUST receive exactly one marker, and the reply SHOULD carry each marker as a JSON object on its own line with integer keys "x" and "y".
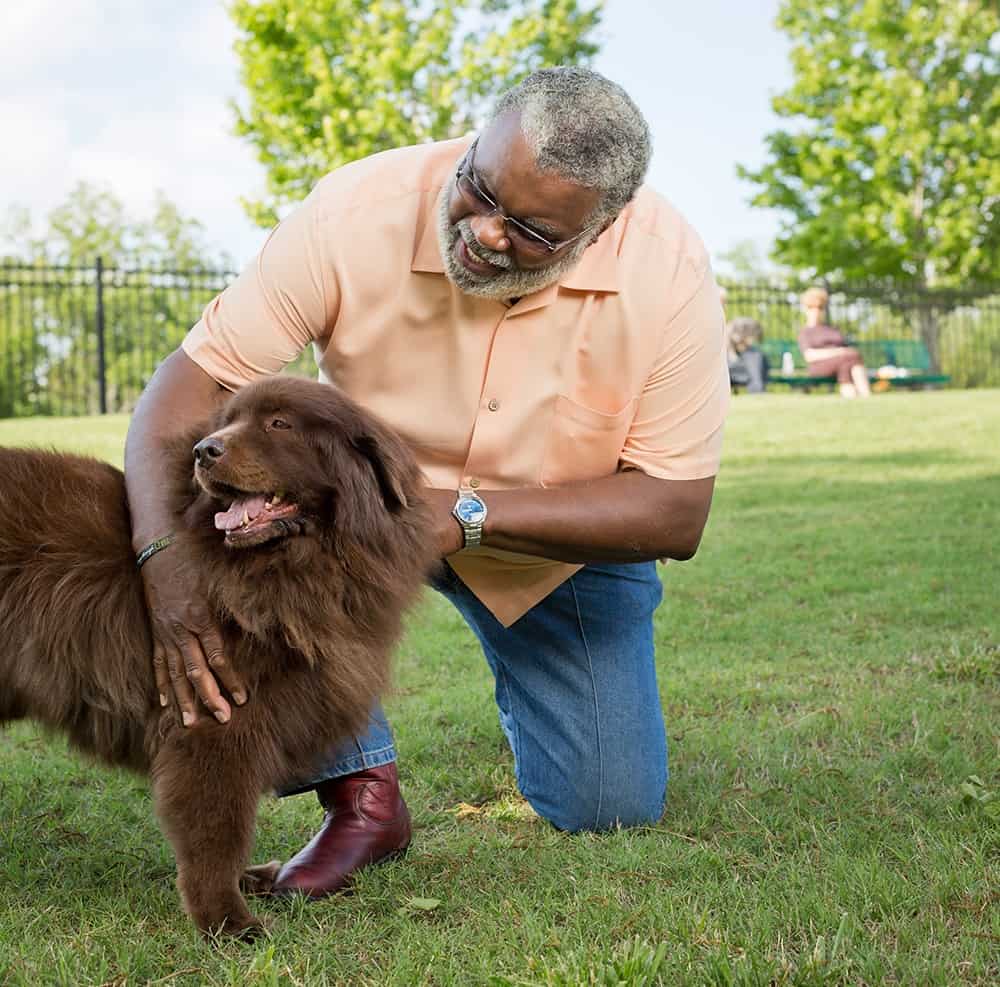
{"x": 207, "y": 805}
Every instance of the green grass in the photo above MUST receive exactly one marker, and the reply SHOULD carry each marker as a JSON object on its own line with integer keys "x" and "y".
{"x": 829, "y": 668}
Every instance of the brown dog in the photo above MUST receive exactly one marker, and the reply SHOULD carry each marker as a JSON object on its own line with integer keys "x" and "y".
{"x": 304, "y": 526}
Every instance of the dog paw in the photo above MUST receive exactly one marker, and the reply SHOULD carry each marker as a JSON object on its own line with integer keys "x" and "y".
{"x": 243, "y": 928}
{"x": 259, "y": 879}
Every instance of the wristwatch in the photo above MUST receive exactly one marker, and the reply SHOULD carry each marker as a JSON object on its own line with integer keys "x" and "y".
{"x": 470, "y": 512}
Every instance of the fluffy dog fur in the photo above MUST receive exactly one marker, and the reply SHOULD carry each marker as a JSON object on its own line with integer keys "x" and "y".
{"x": 309, "y": 595}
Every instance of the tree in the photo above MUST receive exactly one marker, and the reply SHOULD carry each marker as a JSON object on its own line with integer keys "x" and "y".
{"x": 745, "y": 261}
{"x": 330, "y": 81}
{"x": 93, "y": 222}
{"x": 889, "y": 168}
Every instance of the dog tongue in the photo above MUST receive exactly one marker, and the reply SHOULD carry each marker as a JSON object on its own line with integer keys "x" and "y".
{"x": 233, "y": 518}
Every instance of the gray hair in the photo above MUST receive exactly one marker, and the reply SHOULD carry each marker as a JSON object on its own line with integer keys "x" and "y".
{"x": 584, "y": 128}
{"x": 744, "y": 332}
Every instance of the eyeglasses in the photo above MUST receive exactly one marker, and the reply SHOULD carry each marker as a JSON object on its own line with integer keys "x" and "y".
{"x": 521, "y": 236}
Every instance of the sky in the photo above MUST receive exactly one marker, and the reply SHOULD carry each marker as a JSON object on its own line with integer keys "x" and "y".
{"x": 136, "y": 96}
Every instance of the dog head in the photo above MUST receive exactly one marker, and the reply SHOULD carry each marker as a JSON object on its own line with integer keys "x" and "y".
{"x": 286, "y": 457}
{"x": 302, "y": 514}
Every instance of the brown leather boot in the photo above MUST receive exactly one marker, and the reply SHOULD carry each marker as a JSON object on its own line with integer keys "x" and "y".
{"x": 366, "y": 821}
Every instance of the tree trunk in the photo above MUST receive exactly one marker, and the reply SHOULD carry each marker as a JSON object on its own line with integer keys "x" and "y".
{"x": 929, "y": 326}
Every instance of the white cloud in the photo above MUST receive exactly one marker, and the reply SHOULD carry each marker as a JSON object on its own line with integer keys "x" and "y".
{"x": 129, "y": 96}
{"x": 207, "y": 35}
{"x": 36, "y": 148}
{"x": 33, "y": 34}
{"x": 188, "y": 155}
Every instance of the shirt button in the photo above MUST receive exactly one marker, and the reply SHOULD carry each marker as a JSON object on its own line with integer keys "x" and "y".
{"x": 493, "y": 405}
{"x": 474, "y": 483}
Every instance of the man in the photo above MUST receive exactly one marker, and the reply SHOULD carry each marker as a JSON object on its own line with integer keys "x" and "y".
{"x": 549, "y": 340}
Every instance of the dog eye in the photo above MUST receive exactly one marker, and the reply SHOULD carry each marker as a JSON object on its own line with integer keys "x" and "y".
{"x": 278, "y": 423}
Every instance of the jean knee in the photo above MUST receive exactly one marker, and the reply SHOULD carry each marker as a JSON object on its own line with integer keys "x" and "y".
{"x": 595, "y": 810}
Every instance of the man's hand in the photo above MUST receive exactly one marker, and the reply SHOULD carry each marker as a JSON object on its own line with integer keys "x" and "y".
{"x": 188, "y": 656}
{"x": 450, "y": 537}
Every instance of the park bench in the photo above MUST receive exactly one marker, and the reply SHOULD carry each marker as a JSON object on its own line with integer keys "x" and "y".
{"x": 909, "y": 355}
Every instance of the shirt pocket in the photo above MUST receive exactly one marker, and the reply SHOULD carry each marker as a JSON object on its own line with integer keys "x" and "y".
{"x": 584, "y": 443}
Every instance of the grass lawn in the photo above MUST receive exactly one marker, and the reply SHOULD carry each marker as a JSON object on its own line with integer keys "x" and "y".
{"x": 829, "y": 668}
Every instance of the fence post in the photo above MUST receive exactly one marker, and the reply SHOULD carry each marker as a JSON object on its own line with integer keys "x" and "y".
{"x": 102, "y": 382}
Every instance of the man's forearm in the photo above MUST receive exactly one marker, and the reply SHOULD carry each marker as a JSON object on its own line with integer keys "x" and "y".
{"x": 628, "y": 517}
{"x": 179, "y": 396}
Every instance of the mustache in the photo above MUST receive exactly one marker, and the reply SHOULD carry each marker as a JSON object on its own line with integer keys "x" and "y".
{"x": 464, "y": 228}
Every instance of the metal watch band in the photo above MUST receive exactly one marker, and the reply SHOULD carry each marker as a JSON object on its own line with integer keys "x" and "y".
{"x": 472, "y": 533}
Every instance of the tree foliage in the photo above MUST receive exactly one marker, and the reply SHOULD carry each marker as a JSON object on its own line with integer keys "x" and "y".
{"x": 888, "y": 169}
{"x": 331, "y": 81}
{"x": 93, "y": 222}
{"x": 745, "y": 261}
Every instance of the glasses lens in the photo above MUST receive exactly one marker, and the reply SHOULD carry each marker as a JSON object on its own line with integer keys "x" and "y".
{"x": 527, "y": 239}
{"x": 468, "y": 187}
{"x": 524, "y": 238}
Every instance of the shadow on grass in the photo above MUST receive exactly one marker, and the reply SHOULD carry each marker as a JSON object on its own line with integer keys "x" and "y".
{"x": 893, "y": 459}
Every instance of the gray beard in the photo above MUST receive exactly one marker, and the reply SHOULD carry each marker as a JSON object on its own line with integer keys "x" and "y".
{"x": 511, "y": 281}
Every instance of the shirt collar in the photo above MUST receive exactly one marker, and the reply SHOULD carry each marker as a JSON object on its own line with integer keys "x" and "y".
{"x": 427, "y": 256}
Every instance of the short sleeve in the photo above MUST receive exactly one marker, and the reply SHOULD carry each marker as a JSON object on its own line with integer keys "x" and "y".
{"x": 284, "y": 299}
{"x": 676, "y": 433}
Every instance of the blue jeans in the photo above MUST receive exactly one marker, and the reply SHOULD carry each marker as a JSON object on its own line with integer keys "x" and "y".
{"x": 576, "y": 690}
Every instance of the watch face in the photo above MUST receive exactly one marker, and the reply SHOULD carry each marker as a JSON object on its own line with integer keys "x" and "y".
{"x": 470, "y": 511}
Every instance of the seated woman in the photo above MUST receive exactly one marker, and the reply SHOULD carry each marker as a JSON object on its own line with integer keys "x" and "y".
{"x": 826, "y": 351}
{"x": 748, "y": 366}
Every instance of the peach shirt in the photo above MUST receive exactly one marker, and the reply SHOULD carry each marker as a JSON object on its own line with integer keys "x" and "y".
{"x": 620, "y": 365}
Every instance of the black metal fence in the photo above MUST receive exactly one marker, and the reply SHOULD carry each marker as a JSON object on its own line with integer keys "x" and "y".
{"x": 85, "y": 340}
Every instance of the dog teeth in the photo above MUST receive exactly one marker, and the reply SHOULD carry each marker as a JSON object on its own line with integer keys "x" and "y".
{"x": 246, "y": 517}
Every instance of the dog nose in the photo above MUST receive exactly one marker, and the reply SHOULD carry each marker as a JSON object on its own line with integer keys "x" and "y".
{"x": 208, "y": 451}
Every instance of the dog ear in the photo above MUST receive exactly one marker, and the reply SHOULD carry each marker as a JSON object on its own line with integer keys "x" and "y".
{"x": 389, "y": 466}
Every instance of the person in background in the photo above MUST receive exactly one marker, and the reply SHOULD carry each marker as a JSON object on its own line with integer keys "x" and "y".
{"x": 748, "y": 366}
{"x": 826, "y": 350}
